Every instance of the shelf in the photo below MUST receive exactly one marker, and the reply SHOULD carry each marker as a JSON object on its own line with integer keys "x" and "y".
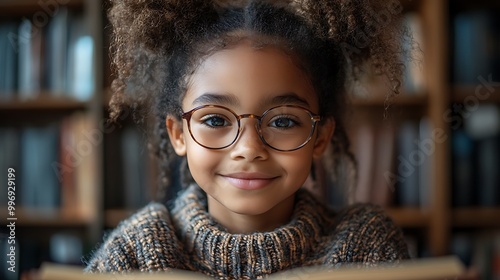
{"x": 476, "y": 217}
{"x": 13, "y": 8}
{"x": 112, "y": 217}
{"x": 465, "y": 5}
{"x": 476, "y": 93}
{"x": 44, "y": 102}
{"x": 35, "y": 217}
{"x": 409, "y": 217}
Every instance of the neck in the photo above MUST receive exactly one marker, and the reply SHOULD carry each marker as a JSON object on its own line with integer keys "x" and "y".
{"x": 244, "y": 224}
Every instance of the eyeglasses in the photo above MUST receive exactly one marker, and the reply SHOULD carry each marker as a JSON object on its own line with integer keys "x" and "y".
{"x": 284, "y": 128}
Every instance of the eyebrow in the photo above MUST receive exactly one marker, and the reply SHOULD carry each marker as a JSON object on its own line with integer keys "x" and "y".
{"x": 216, "y": 98}
{"x": 288, "y": 98}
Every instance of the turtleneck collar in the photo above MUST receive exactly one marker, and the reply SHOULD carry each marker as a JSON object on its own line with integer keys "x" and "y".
{"x": 217, "y": 252}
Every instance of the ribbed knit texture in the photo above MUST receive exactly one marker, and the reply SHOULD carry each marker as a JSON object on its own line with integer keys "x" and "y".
{"x": 186, "y": 237}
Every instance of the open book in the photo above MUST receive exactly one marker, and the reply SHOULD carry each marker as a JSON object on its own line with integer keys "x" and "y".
{"x": 418, "y": 269}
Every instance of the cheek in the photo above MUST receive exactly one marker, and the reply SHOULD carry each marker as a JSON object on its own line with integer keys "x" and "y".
{"x": 298, "y": 163}
{"x": 201, "y": 161}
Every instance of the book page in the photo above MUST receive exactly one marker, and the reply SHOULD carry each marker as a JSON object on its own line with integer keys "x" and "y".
{"x": 418, "y": 269}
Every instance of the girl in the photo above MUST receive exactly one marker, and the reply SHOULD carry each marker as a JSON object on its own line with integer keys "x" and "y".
{"x": 251, "y": 94}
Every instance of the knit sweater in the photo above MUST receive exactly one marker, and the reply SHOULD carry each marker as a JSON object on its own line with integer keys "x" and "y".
{"x": 186, "y": 237}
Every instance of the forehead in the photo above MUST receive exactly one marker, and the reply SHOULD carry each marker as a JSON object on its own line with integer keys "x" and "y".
{"x": 250, "y": 75}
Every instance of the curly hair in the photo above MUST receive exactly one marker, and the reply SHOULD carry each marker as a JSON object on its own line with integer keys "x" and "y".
{"x": 157, "y": 45}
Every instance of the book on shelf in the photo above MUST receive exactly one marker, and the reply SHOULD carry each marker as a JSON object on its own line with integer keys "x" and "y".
{"x": 130, "y": 172}
{"x": 80, "y": 81}
{"x": 488, "y": 152}
{"x": 426, "y": 146}
{"x": 75, "y": 167}
{"x": 29, "y": 46}
{"x": 363, "y": 147}
{"x": 66, "y": 164}
{"x": 56, "y": 52}
{"x": 480, "y": 251}
{"x": 56, "y": 58}
{"x": 135, "y": 166}
{"x": 421, "y": 269}
{"x": 413, "y": 55}
{"x": 54, "y": 163}
{"x": 483, "y": 125}
{"x": 8, "y": 63}
{"x": 373, "y": 147}
{"x": 463, "y": 166}
{"x": 113, "y": 179}
{"x": 88, "y": 139}
{"x": 39, "y": 149}
{"x": 335, "y": 192}
{"x": 9, "y": 152}
{"x": 476, "y": 157}
{"x": 476, "y": 48}
{"x": 407, "y": 167}
{"x": 394, "y": 162}
{"x": 382, "y": 191}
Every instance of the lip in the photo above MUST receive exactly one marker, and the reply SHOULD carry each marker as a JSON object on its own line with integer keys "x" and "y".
{"x": 249, "y": 181}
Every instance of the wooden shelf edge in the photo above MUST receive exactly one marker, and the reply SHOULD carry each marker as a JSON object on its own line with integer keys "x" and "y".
{"x": 476, "y": 217}
{"x": 112, "y": 217}
{"x": 476, "y": 93}
{"x": 26, "y": 7}
{"x": 43, "y": 103}
{"x": 46, "y": 217}
{"x": 408, "y": 217}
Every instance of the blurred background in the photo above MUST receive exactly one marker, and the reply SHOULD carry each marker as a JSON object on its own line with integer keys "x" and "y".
{"x": 432, "y": 159}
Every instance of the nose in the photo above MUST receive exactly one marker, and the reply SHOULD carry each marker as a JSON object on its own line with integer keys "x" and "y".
{"x": 249, "y": 146}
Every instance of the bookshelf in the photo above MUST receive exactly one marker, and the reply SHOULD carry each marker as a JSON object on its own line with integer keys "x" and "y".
{"x": 94, "y": 209}
{"x": 440, "y": 222}
{"x": 56, "y": 199}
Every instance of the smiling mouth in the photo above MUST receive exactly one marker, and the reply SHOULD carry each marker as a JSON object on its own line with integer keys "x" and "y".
{"x": 248, "y": 182}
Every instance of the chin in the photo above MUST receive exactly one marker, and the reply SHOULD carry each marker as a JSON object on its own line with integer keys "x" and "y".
{"x": 248, "y": 207}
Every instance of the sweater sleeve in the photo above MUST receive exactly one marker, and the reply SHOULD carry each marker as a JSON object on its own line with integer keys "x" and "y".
{"x": 365, "y": 234}
{"x": 146, "y": 242}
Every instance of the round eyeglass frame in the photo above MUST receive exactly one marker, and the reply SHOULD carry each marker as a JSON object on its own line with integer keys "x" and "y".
{"x": 314, "y": 119}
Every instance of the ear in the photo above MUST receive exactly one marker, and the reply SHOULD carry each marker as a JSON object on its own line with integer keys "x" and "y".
{"x": 176, "y": 135}
{"x": 325, "y": 132}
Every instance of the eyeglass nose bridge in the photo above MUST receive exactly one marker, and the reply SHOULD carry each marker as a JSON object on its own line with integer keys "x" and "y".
{"x": 257, "y": 125}
{"x": 249, "y": 116}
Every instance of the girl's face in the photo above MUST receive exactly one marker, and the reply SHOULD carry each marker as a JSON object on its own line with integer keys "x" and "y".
{"x": 248, "y": 177}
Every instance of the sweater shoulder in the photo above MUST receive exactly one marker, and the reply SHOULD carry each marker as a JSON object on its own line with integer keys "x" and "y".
{"x": 146, "y": 235}
{"x": 361, "y": 214}
{"x": 365, "y": 233}
{"x": 150, "y": 214}
{"x": 151, "y": 217}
